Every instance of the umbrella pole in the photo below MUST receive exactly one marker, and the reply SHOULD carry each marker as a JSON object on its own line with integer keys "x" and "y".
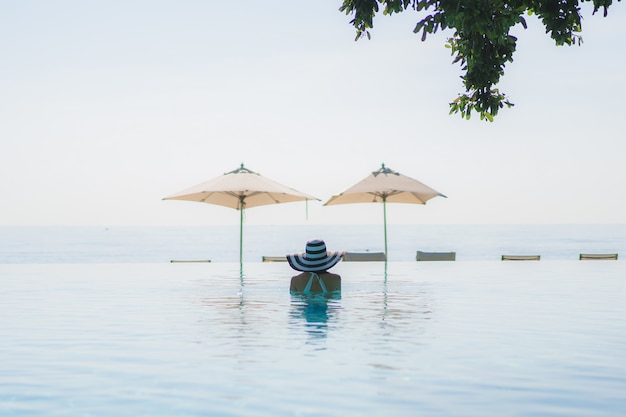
{"x": 241, "y": 236}
{"x": 241, "y": 206}
{"x": 385, "y": 222}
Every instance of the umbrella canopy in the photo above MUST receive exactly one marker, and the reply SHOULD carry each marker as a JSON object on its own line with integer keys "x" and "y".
{"x": 240, "y": 189}
{"x": 386, "y": 185}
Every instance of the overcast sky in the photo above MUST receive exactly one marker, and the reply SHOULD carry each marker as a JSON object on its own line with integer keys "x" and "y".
{"x": 107, "y": 107}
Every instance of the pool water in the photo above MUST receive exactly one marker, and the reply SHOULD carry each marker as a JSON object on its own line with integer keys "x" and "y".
{"x": 406, "y": 339}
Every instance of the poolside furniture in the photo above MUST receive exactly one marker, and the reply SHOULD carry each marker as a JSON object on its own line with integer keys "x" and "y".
{"x": 174, "y": 261}
{"x": 274, "y": 258}
{"x": 521, "y": 257}
{"x": 597, "y": 256}
{"x": 364, "y": 256}
{"x": 435, "y": 256}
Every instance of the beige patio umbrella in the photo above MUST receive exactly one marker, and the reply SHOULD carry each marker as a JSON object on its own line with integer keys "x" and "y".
{"x": 386, "y": 185}
{"x": 241, "y": 189}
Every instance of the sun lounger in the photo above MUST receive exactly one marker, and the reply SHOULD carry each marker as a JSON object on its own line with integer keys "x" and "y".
{"x": 521, "y": 257}
{"x": 435, "y": 256}
{"x": 189, "y": 261}
{"x": 274, "y": 259}
{"x": 597, "y": 256}
{"x": 364, "y": 256}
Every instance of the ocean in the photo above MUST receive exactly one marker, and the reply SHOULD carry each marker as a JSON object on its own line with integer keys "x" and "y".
{"x": 58, "y": 244}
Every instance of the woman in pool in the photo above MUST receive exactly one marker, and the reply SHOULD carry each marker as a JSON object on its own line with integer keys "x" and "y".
{"x": 314, "y": 265}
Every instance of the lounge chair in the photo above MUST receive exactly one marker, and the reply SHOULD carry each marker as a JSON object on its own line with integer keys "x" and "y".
{"x": 274, "y": 259}
{"x": 364, "y": 256}
{"x": 521, "y": 257}
{"x": 174, "y": 261}
{"x": 597, "y": 256}
{"x": 435, "y": 256}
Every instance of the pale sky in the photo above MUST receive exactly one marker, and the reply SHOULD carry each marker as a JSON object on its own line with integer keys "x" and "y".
{"x": 107, "y": 107}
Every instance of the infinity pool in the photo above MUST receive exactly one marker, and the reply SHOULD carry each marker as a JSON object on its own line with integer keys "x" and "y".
{"x": 409, "y": 339}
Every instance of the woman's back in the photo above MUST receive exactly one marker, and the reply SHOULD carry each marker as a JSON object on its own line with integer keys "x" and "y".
{"x": 321, "y": 282}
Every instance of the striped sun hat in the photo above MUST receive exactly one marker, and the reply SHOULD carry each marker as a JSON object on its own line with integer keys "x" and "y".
{"x": 316, "y": 258}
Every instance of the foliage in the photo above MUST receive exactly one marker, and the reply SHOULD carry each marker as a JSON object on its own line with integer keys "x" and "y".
{"x": 481, "y": 41}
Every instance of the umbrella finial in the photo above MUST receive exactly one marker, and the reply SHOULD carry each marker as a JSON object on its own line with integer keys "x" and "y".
{"x": 384, "y": 170}
{"x": 240, "y": 170}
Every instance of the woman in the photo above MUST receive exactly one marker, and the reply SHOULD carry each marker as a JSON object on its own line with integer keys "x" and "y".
{"x": 314, "y": 264}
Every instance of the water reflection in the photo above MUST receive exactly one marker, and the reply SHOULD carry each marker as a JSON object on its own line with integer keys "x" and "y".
{"x": 314, "y": 312}
{"x": 224, "y": 307}
{"x": 405, "y": 306}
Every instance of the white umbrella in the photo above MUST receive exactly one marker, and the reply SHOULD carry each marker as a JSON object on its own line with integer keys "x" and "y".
{"x": 386, "y": 185}
{"x": 240, "y": 189}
